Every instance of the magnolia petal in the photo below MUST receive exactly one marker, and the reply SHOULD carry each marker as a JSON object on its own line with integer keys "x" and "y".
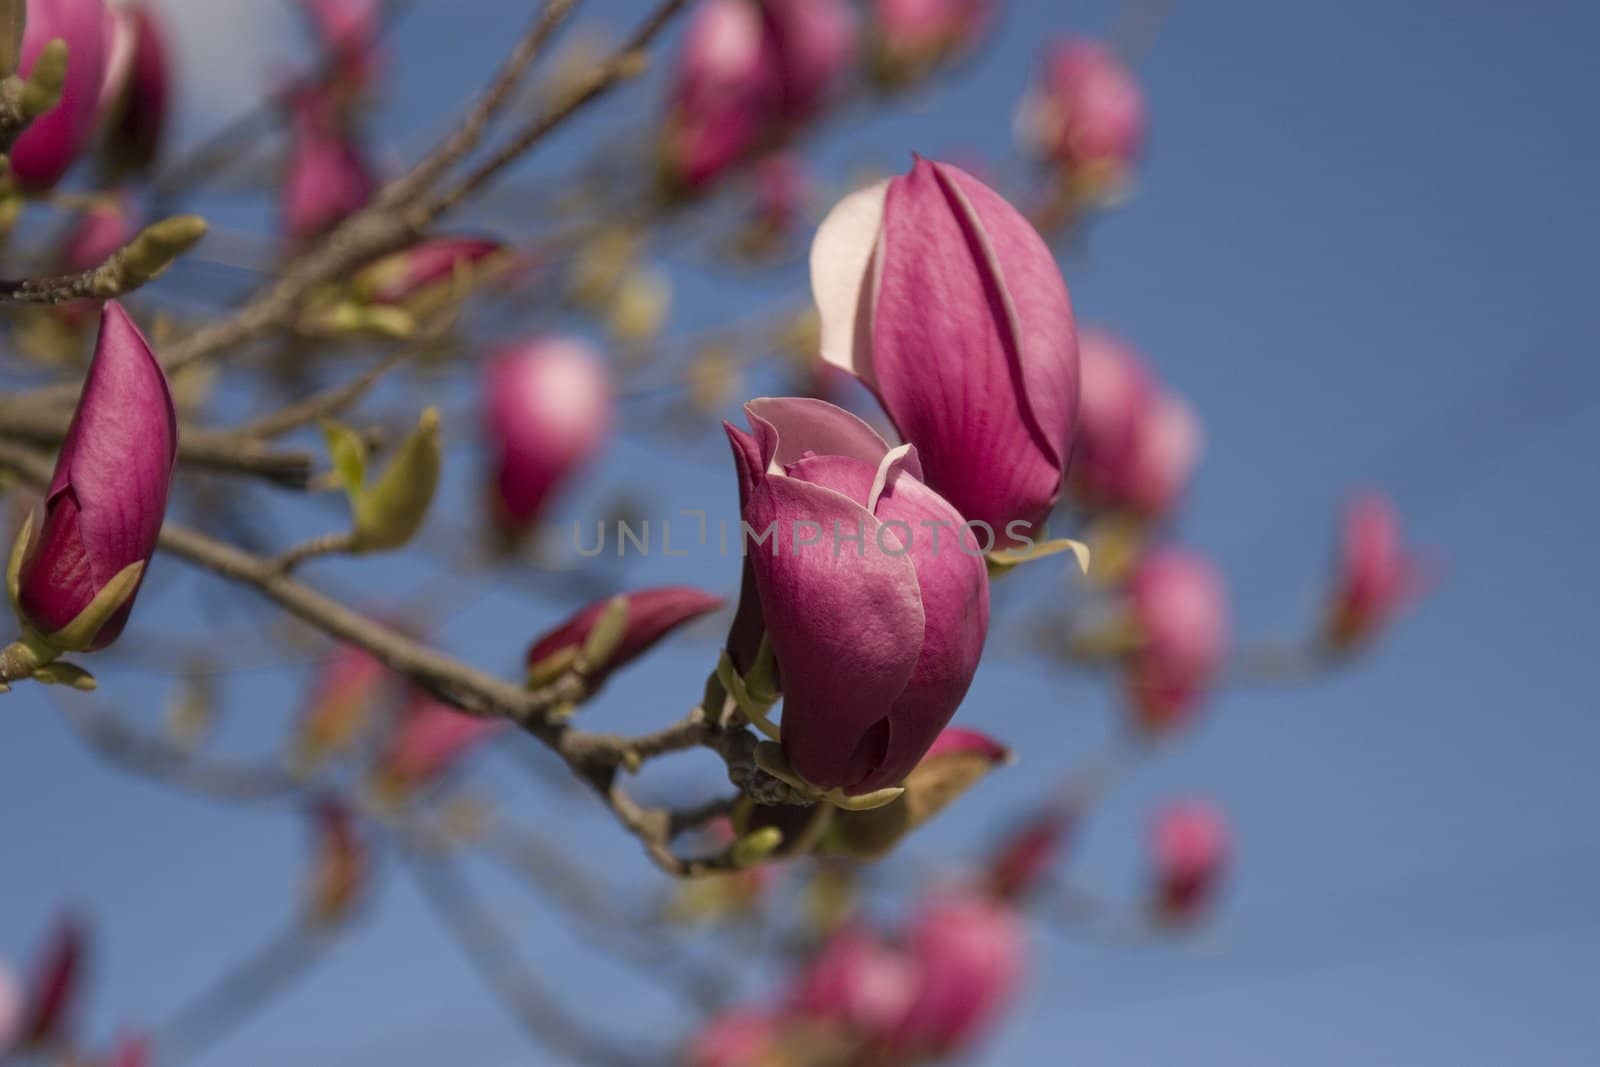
{"x": 789, "y": 427}
{"x": 844, "y": 262}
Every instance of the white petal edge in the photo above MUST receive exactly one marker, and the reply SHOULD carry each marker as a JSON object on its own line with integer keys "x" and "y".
{"x": 842, "y": 255}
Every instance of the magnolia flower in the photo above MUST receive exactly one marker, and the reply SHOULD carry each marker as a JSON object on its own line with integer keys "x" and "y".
{"x": 52, "y": 141}
{"x": 54, "y": 984}
{"x": 742, "y": 1037}
{"x": 1188, "y": 854}
{"x": 138, "y": 88}
{"x": 1022, "y": 860}
{"x": 328, "y": 176}
{"x": 1179, "y": 610}
{"x": 747, "y": 70}
{"x": 650, "y": 615}
{"x": 430, "y": 739}
{"x": 1087, "y": 116}
{"x": 855, "y": 983}
{"x": 340, "y": 707}
{"x": 547, "y": 412}
{"x": 912, "y": 36}
{"x": 943, "y": 300}
{"x": 103, "y": 510}
{"x": 1376, "y": 577}
{"x": 970, "y": 954}
{"x": 873, "y": 594}
{"x": 348, "y": 30}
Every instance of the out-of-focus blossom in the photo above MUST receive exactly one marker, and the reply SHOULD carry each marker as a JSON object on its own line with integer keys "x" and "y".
{"x": 131, "y": 1050}
{"x": 940, "y": 297}
{"x": 782, "y": 189}
{"x": 1375, "y": 577}
{"x": 54, "y": 986}
{"x": 11, "y": 1007}
{"x": 53, "y": 141}
{"x": 138, "y": 88}
{"x": 877, "y": 637}
{"x": 1188, "y": 853}
{"x": 747, "y": 71}
{"x": 1086, "y": 116}
{"x": 105, "y": 226}
{"x": 1023, "y": 859}
{"x": 437, "y": 262}
{"x": 430, "y": 739}
{"x": 857, "y": 984}
{"x": 339, "y": 864}
{"x": 1178, "y": 605}
{"x": 108, "y": 496}
{"x": 651, "y": 614}
{"x": 742, "y": 1037}
{"x": 547, "y": 412}
{"x": 911, "y": 37}
{"x": 328, "y": 177}
{"x": 348, "y": 31}
{"x": 343, "y": 698}
{"x": 970, "y": 954}
{"x": 1137, "y": 444}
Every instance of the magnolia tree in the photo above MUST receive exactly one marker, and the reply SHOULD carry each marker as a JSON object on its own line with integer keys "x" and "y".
{"x": 951, "y": 431}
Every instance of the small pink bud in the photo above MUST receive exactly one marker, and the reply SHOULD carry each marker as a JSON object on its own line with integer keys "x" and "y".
{"x": 11, "y": 1008}
{"x": 328, "y": 176}
{"x": 138, "y": 88}
{"x": 742, "y": 1037}
{"x": 108, "y": 496}
{"x": 430, "y": 739}
{"x": 341, "y": 704}
{"x": 349, "y": 31}
{"x": 340, "y": 862}
{"x": 876, "y": 637}
{"x": 547, "y": 413}
{"x": 55, "y": 985}
{"x": 50, "y": 144}
{"x": 1376, "y": 577}
{"x": 943, "y": 300}
{"x": 409, "y": 273}
{"x": 1189, "y": 852}
{"x": 815, "y": 43}
{"x": 970, "y": 954}
{"x": 1024, "y": 857}
{"x": 1179, "y": 608}
{"x": 1087, "y": 115}
{"x": 652, "y": 614}
{"x": 131, "y": 1050}
{"x": 912, "y": 36}
{"x": 855, "y": 983}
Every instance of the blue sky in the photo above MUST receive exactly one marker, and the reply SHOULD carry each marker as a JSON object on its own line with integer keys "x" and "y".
{"x": 1363, "y": 245}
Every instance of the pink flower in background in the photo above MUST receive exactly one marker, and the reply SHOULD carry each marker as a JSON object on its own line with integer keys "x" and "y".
{"x": 653, "y": 614}
{"x": 1188, "y": 854}
{"x": 548, "y": 411}
{"x": 138, "y": 90}
{"x": 1087, "y": 116}
{"x": 328, "y": 177}
{"x": 50, "y": 144}
{"x": 349, "y": 31}
{"x": 742, "y": 1037}
{"x": 1179, "y": 609}
{"x": 875, "y": 646}
{"x": 856, "y": 983}
{"x": 11, "y": 1008}
{"x": 1021, "y": 863}
{"x": 814, "y": 43}
{"x": 943, "y": 300}
{"x": 402, "y": 275}
{"x": 430, "y": 739}
{"x": 971, "y": 955}
{"x": 108, "y": 496}
{"x": 1376, "y": 576}
{"x": 914, "y": 35}
{"x": 55, "y": 985}
{"x": 108, "y": 224}
{"x": 343, "y": 698}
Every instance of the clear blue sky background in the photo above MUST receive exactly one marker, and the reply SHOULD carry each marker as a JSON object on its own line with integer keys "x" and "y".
{"x": 1364, "y": 245}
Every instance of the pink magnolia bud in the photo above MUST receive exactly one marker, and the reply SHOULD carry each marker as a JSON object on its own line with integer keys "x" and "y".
{"x": 1179, "y": 608}
{"x": 400, "y": 276}
{"x": 1189, "y": 852}
{"x": 328, "y": 176}
{"x": 428, "y": 742}
{"x": 815, "y": 43}
{"x": 108, "y": 224}
{"x": 874, "y": 595}
{"x": 547, "y": 412}
{"x": 782, "y": 189}
{"x": 652, "y": 615}
{"x": 742, "y": 1037}
{"x": 138, "y": 88}
{"x": 914, "y": 35}
{"x": 970, "y": 953}
{"x": 340, "y": 862}
{"x": 1165, "y": 452}
{"x": 52, "y": 141}
{"x": 1087, "y": 116}
{"x": 1022, "y": 861}
{"x": 11, "y": 1008}
{"x": 1376, "y": 576}
{"x": 341, "y": 703}
{"x": 945, "y": 302}
{"x": 349, "y": 33}
{"x": 108, "y": 496}
{"x": 855, "y": 983}
{"x": 53, "y": 990}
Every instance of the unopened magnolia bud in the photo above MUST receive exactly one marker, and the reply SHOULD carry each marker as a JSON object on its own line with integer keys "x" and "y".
{"x": 155, "y": 249}
{"x": 65, "y": 47}
{"x": 390, "y": 511}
